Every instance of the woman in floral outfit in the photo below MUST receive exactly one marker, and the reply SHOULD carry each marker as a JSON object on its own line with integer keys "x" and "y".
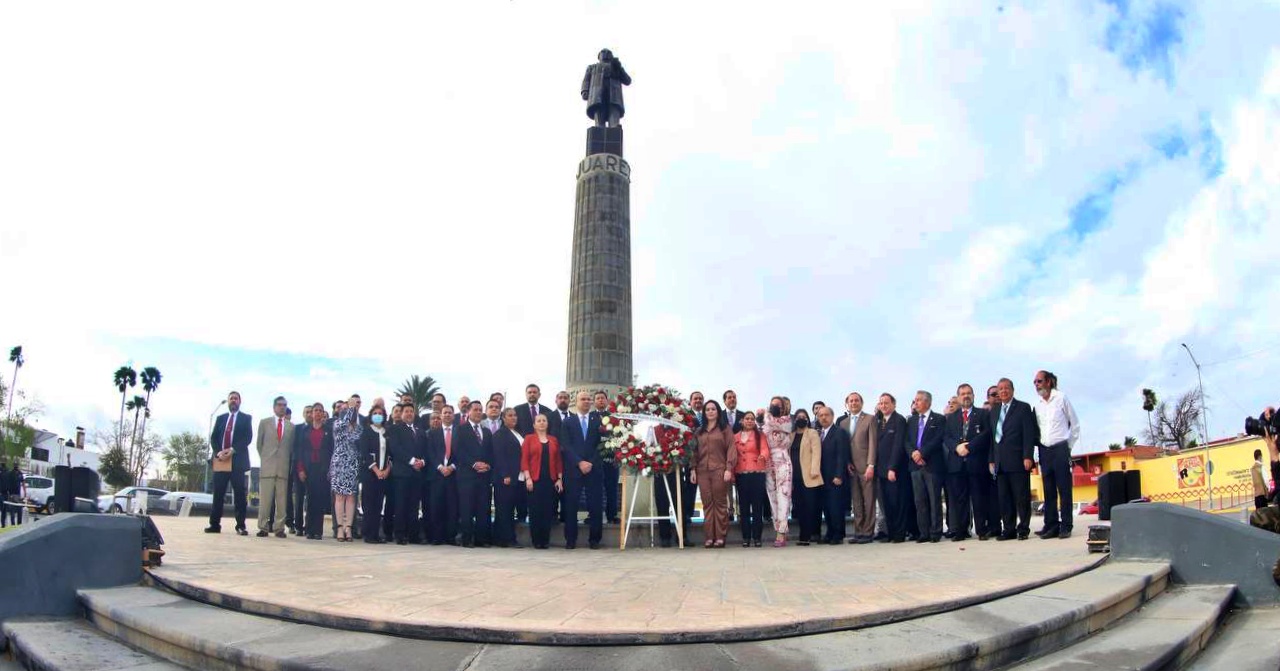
{"x": 777, "y": 478}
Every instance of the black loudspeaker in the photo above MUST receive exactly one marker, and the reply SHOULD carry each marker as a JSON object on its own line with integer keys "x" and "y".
{"x": 1132, "y": 485}
{"x": 1111, "y": 492}
{"x": 70, "y": 484}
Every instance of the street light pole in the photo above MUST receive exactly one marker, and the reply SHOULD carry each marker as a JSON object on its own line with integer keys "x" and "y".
{"x": 1204, "y": 423}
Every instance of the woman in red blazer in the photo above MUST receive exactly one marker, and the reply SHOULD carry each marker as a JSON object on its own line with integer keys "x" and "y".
{"x": 543, "y": 477}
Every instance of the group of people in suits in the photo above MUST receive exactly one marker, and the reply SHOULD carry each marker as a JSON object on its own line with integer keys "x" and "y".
{"x": 467, "y": 478}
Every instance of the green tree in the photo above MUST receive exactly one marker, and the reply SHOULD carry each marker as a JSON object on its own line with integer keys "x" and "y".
{"x": 150, "y": 382}
{"x": 1113, "y": 446}
{"x": 113, "y": 470}
{"x": 420, "y": 388}
{"x": 184, "y": 458}
{"x": 1130, "y": 441}
{"x": 1149, "y": 404}
{"x": 124, "y": 378}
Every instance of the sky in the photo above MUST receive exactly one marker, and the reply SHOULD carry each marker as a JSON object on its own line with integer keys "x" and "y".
{"x": 318, "y": 198}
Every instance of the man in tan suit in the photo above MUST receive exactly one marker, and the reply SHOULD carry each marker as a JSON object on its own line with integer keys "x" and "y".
{"x": 275, "y": 441}
{"x": 862, "y": 468}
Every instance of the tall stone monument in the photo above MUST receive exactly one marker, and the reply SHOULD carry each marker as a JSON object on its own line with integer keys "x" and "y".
{"x": 599, "y": 352}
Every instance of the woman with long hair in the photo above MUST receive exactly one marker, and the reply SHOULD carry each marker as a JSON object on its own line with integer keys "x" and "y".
{"x": 777, "y": 479}
{"x": 344, "y": 469}
{"x": 713, "y": 472}
{"x": 543, "y": 478}
{"x": 806, "y": 483}
{"x": 749, "y": 477}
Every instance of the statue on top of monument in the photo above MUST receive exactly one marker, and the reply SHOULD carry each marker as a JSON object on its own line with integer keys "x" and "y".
{"x": 602, "y": 89}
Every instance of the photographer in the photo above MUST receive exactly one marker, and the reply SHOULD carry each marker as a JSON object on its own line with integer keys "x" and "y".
{"x": 1267, "y": 427}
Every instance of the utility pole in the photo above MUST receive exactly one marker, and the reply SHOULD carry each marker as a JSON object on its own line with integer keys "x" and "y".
{"x": 1204, "y": 423}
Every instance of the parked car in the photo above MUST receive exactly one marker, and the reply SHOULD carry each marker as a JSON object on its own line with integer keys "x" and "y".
{"x": 40, "y": 492}
{"x": 171, "y": 503}
{"x": 1090, "y": 508}
{"x": 119, "y": 502}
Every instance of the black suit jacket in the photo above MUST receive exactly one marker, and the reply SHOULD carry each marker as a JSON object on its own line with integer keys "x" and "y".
{"x": 506, "y": 455}
{"x": 574, "y": 448}
{"x": 930, "y": 443}
{"x": 1018, "y": 438}
{"x": 835, "y": 454}
{"x": 979, "y": 437}
{"x": 524, "y": 421}
{"x": 240, "y": 440}
{"x": 892, "y": 431}
{"x": 412, "y": 444}
{"x": 302, "y": 447}
{"x": 435, "y": 453}
{"x": 398, "y": 449}
{"x": 467, "y": 450}
{"x": 736, "y": 416}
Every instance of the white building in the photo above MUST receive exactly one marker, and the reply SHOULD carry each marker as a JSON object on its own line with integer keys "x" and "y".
{"x": 49, "y": 450}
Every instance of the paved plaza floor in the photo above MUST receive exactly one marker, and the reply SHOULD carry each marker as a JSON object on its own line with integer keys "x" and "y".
{"x": 607, "y": 595}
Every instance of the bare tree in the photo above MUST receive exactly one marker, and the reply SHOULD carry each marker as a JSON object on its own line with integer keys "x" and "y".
{"x": 136, "y": 455}
{"x": 1174, "y": 425}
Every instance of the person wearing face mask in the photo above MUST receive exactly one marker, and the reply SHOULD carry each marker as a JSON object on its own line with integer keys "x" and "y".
{"x": 377, "y": 445}
{"x": 778, "y": 481}
{"x": 806, "y": 468}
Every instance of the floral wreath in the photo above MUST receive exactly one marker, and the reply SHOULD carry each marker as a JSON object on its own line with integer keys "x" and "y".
{"x": 671, "y": 445}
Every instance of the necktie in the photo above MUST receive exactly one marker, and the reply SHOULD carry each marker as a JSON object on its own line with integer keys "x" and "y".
{"x": 448, "y": 443}
{"x": 479, "y": 436}
{"x": 964, "y": 424}
{"x": 920, "y": 431}
{"x": 1000, "y": 423}
{"x": 824, "y": 434}
{"x": 226, "y": 433}
{"x": 533, "y": 414}
{"x": 583, "y": 421}
{"x": 279, "y": 429}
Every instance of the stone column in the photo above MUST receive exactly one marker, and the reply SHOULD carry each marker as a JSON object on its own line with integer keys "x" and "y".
{"x": 599, "y": 348}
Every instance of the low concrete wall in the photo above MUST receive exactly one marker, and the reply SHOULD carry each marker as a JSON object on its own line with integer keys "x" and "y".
{"x": 1202, "y": 548}
{"x": 45, "y": 562}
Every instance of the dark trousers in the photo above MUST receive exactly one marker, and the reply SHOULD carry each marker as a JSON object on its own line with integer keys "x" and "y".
{"x": 833, "y": 512}
{"x": 420, "y": 527}
{"x": 407, "y": 494}
{"x": 664, "y": 503}
{"x": 610, "y": 473}
{"x": 986, "y": 497}
{"x": 474, "y": 495}
{"x": 575, "y": 483}
{"x": 959, "y": 504}
{"x": 318, "y": 498}
{"x": 443, "y": 510}
{"x": 220, "y": 482}
{"x": 297, "y": 501}
{"x": 542, "y": 510}
{"x": 809, "y": 511}
{"x": 1055, "y": 474}
{"x": 373, "y": 496}
{"x": 10, "y": 511}
{"x": 907, "y": 502}
{"x": 504, "y": 504}
{"x": 522, "y": 503}
{"x": 389, "y": 509}
{"x": 926, "y": 490}
{"x": 891, "y": 495}
{"x": 751, "y": 504}
{"x": 1015, "y": 501}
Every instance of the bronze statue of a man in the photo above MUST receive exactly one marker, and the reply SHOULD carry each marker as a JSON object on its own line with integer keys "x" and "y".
{"x": 602, "y": 89}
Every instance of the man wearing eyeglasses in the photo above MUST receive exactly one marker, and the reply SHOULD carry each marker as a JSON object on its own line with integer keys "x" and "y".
{"x": 1011, "y": 458}
{"x": 1059, "y": 431}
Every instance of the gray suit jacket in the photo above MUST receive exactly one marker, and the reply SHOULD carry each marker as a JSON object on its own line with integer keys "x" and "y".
{"x": 274, "y": 453}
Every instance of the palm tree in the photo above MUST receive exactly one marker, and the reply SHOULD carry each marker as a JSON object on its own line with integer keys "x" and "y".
{"x": 136, "y": 405}
{"x": 124, "y": 378}
{"x": 15, "y": 358}
{"x": 1149, "y": 404}
{"x": 150, "y": 382}
{"x": 420, "y": 388}
{"x": 1130, "y": 441}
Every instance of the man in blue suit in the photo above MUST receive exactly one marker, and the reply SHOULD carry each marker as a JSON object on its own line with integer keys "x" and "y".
{"x": 583, "y": 469}
{"x": 1014, "y": 436}
{"x": 232, "y": 434}
{"x": 927, "y": 465}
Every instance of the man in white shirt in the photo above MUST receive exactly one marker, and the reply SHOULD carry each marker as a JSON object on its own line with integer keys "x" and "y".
{"x": 1059, "y": 431}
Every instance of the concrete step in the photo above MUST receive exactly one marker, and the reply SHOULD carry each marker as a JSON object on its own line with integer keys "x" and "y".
{"x": 66, "y": 644}
{"x": 983, "y": 636}
{"x": 1248, "y": 641}
{"x": 1165, "y": 634}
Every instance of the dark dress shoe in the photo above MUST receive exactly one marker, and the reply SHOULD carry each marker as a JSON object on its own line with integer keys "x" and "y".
{"x": 1065, "y": 533}
{"x": 935, "y": 539}
{"x": 281, "y": 534}
{"x": 468, "y": 544}
{"x": 757, "y": 543}
{"x": 983, "y": 537}
{"x": 242, "y": 532}
{"x": 1003, "y": 537}
{"x": 515, "y": 546}
{"x": 262, "y": 533}
{"x": 373, "y": 541}
{"x": 402, "y": 542}
{"x": 898, "y": 540}
{"x": 922, "y": 539}
{"x": 213, "y": 530}
{"x": 594, "y": 546}
{"x": 863, "y": 541}
{"x": 1023, "y": 537}
{"x": 804, "y": 543}
{"x": 1049, "y": 532}
{"x": 570, "y": 546}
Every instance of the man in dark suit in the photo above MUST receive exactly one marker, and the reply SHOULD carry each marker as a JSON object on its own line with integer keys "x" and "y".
{"x": 232, "y": 434}
{"x": 1014, "y": 437}
{"x": 584, "y": 470}
{"x": 731, "y": 411}
{"x": 474, "y": 445}
{"x": 891, "y": 473}
{"x": 313, "y": 452}
{"x": 408, "y": 473}
{"x": 526, "y": 412}
{"x": 835, "y": 468}
{"x": 967, "y": 445}
{"x": 600, "y": 402}
{"x": 927, "y": 465}
{"x": 442, "y": 481}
